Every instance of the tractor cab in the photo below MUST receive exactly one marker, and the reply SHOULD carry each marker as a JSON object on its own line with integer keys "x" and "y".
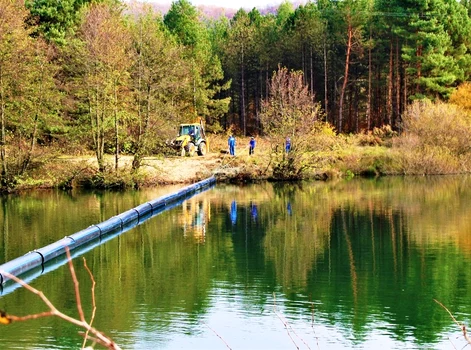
{"x": 193, "y": 130}
{"x": 191, "y": 139}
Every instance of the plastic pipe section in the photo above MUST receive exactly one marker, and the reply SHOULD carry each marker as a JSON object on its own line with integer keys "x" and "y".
{"x": 116, "y": 224}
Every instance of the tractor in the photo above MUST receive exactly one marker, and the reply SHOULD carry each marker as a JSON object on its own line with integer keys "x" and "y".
{"x": 191, "y": 139}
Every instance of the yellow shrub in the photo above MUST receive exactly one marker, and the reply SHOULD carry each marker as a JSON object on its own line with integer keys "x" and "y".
{"x": 462, "y": 96}
{"x": 439, "y": 124}
{"x": 435, "y": 139}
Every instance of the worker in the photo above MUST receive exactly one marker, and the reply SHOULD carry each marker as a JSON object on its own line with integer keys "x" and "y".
{"x": 288, "y": 145}
{"x": 192, "y": 133}
{"x": 252, "y": 143}
{"x": 232, "y": 143}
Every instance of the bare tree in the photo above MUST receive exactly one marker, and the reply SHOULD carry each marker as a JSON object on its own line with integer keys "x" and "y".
{"x": 289, "y": 112}
{"x": 106, "y": 55}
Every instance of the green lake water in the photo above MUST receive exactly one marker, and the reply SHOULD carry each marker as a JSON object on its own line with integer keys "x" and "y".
{"x": 338, "y": 265}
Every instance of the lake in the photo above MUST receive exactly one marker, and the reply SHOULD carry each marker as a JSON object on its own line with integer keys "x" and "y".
{"x": 356, "y": 264}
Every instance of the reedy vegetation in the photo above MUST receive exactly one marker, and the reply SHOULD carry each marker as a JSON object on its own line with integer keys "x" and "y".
{"x": 108, "y": 77}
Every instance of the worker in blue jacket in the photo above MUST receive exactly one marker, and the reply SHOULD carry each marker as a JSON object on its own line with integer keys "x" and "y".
{"x": 287, "y": 145}
{"x": 252, "y": 143}
{"x": 232, "y": 143}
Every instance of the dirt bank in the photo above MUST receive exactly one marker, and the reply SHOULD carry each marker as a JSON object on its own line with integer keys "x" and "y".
{"x": 67, "y": 171}
{"x": 180, "y": 169}
{"x": 177, "y": 169}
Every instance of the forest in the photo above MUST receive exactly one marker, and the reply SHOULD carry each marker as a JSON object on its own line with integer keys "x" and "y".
{"x": 110, "y": 77}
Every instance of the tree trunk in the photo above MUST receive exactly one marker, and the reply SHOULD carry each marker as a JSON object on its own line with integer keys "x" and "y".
{"x": 116, "y": 129}
{"x": 389, "y": 108}
{"x": 311, "y": 61}
{"x": 3, "y": 135}
{"x": 243, "y": 122}
{"x": 378, "y": 114}
{"x": 326, "y": 89}
{"x": 345, "y": 77}
{"x": 258, "y": 99}
{"x": 303, "y": 63}
{"x": 398, "y": 86}
{"x": 405, "y": 91}
{"x": 267, "y": 83}
{"x": 32, "y": 145}
{"x": 368, "y": 107}
{"x": 136, "y": 162}
{"x": 356, "y": 108}
{"x": 98, "y": 132}
{"x": 351, "y": 117}
{"x": 419, "y": 68}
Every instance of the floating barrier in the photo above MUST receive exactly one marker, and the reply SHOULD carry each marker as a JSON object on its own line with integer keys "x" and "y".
{"x": 50, "y": 257}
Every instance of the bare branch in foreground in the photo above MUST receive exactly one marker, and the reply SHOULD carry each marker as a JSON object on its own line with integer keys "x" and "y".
{"x": 217, "y": 335}
{"x": 98, "y": 336}
{"x": 76, "y": 286}
{"x": 288, "y": 326}
{"x": 462, "y": 326}
{"x": 93, "y": 299}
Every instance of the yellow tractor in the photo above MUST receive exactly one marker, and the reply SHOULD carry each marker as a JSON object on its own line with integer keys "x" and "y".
{"x": 191, "y": 139}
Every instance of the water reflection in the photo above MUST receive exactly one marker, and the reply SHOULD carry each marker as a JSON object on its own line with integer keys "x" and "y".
{"x": 352, "y": 264}
{"x": 253, "y": 211}
{"x": 194, "y": 218}
{"x": 233, "y": 212}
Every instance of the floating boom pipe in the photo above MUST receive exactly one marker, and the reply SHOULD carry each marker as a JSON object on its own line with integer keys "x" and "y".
{"x": 53, "y": 254}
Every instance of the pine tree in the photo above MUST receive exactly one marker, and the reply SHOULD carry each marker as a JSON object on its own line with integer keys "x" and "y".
{"x": 433, "y": 52}
{"x": 182, "y": 20}
{"x": 55, "y": 19}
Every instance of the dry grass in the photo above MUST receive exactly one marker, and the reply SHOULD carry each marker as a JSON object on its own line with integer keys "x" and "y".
{"x": 435, "y": 140}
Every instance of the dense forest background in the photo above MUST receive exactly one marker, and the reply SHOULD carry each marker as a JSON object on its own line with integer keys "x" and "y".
{"x": 117, "y": 77}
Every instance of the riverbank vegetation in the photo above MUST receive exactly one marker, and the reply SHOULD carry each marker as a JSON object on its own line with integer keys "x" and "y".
{"x": 360, "y": 87}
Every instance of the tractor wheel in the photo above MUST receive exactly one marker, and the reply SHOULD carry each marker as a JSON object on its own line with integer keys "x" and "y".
{"x": 202, "y": 149}
{"x": 191, "y": 149}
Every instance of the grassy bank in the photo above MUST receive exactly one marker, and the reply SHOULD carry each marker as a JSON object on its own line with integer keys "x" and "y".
{"x": 350, "y": 157}
{"x": 434, "y": 140}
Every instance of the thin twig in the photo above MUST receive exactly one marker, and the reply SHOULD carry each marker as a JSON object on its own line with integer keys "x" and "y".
{"x": 312, "y": 323}
{"x": 284, "y": 323}
{"x": 103, "y": 339}
{"x": 462, "y": 326}
{"x": 14, "y": 318}
{"x": 288, "y": 325}
{"x": 93, "y": 299}
{"x": 287, "y": 330}
{"x": 454, "y": 347}
{"x": 53, "y": 311}
{"x": 76, "y": 285}
{"x": 312, "y": 315}
{"x": 217, "y": 335}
